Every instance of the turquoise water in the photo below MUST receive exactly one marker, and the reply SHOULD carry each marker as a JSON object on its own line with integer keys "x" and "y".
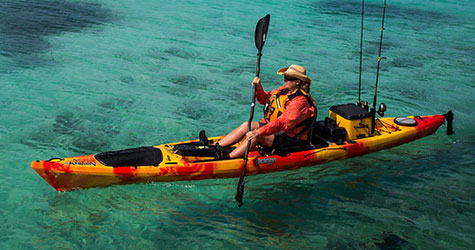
{"x": 81, "y": 77}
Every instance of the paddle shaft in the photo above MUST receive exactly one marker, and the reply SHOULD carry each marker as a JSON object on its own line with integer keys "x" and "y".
{"x": 259, "y": 38}
{"x": 240, "y": 189}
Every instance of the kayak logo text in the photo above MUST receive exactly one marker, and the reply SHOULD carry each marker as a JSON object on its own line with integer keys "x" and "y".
{"x": 267, "y": 161}
{"x": 75, "y": 162}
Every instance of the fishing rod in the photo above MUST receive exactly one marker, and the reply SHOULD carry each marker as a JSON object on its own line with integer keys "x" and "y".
{"x": 382, "y": 107}
{"x": 361, "y": 53}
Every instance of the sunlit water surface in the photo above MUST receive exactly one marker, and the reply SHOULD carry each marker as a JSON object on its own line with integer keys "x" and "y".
{"x": 82, "y": 77}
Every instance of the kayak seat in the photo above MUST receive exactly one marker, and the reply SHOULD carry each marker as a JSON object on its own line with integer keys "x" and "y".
{"x": 142, "y": 156}
{"x": 326, "y": 132}
{"x": 323, "y": 133}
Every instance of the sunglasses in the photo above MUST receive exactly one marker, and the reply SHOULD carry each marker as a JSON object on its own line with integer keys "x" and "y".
{"x": 289, "y": 78}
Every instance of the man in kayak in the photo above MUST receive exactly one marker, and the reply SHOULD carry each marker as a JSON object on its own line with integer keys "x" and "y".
{"x": 288, "y": 114}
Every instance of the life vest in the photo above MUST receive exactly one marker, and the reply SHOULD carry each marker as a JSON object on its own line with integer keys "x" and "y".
{"x": 277, "y": 103}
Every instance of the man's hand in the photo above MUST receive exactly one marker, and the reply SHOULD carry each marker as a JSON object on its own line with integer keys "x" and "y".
{"x": 252, "y": 134}
{"x": 257, "y": 82}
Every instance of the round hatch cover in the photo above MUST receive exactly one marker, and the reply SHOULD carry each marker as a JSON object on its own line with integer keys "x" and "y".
{"x": 405, "y": 121}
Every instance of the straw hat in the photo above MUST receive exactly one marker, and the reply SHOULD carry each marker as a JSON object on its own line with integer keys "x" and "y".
{"x": 296, "y": 71}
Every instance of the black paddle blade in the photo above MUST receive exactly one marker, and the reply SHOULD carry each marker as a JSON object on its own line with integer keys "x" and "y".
{"x": 239, "y": 193}
{"x": 261, "y": 32}
{"x": 449, "y": 117}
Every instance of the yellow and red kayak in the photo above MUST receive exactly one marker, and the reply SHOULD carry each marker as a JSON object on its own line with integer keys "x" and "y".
{"x": 163, "y": 162}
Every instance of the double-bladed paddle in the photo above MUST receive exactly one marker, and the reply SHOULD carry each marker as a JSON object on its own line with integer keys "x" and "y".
{"x": 260, "y": 39}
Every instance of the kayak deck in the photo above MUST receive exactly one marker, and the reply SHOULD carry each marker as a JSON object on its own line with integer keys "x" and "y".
{"x": 66, "y": 174}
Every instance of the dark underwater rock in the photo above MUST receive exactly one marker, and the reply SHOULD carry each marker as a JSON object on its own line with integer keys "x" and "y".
{"x": 25, "y": 25}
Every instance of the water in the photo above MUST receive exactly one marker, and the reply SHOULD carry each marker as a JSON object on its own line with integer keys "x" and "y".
{"x": 81, "y": 77}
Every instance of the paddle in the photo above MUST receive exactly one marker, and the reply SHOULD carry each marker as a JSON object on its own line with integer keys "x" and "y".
{"x": 260, "y": 39}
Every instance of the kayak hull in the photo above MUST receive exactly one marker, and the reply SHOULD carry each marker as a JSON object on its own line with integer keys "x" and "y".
{"x": 65, "y": 174}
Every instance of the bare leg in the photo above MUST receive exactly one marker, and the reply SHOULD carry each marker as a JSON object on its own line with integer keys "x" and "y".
{"x": 237, "y": 134}
{"x": 241, "y": 149}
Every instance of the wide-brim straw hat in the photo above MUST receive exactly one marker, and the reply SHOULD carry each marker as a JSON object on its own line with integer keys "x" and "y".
{"x": 296, "y": 71}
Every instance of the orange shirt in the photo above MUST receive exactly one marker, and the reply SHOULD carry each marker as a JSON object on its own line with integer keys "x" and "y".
{"x": 297, "y": 110}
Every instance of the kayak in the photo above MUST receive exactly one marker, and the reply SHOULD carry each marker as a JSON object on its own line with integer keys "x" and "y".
{"x": 193, "y": 160}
